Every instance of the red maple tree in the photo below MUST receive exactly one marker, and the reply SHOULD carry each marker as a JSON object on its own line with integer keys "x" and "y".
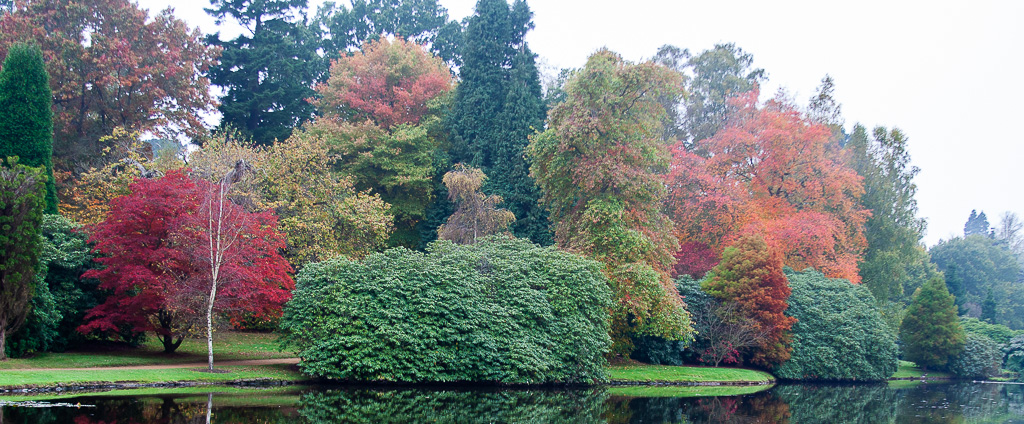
{"x": 770, "y": 171}
{"x": 155, "y": 248}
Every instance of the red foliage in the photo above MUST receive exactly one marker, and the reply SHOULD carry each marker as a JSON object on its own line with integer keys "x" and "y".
{"x": 750, "y": 274}
{"x": 694, "y": 259}
{"x": 770, "y": 171}
{"x": 388, "y": 82}
{"x": 156, "y": 244}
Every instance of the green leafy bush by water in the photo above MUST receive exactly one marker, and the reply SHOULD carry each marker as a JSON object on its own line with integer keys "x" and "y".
{"x": 502, "y": 310}
{"x": 998, "y": 332}
{"x": 981, "y": 358}
{"x": 839, "y": 334}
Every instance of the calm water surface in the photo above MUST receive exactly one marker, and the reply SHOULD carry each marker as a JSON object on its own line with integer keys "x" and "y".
{"x": 804, "y": 403}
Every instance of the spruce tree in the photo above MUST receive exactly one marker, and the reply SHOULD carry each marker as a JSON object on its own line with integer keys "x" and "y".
{"x": 26, "y": 117}
{"x": 931, "y": 332}
{"x": 497, "y": 106}
{"x": 988, "y": 308}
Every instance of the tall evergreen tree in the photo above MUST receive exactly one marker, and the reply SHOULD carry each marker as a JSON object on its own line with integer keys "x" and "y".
{"x": 26, "y": 117}
{"x": 931, "y": 332}
{"x": 893, "y": 231}
{"x": 498, "y": 104}
{"x": 977, "y": 223}
{"x": 268, "y": 73}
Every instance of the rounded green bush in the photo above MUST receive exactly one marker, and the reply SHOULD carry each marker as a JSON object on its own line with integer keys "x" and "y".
{"x": 503, "y": 310}
{"x": 981, "y": 358}
{"x": 839, "y": 335}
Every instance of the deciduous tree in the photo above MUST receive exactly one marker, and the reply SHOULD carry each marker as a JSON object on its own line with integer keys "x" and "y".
{"x": 599, "y": 167}
{"x": 22, "y": 192}
{"x": 770, "y": 172}
{"x": 477, "y": 214}
{"x": 26, "y": 117}
{"x": 893, "y": 232}
{"x": 111, "y": 65}
{"x": 718, "y": 74}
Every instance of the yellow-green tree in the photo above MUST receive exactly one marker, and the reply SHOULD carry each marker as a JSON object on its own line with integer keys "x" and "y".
{"x": 931, "y": 333}
{"x": 477, "y": 214}
{"x": 600, "y": 166}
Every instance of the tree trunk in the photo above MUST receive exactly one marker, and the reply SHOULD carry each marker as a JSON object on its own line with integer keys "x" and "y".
{"x": 209, "y": 323}
{"x": 3, "y": 341}
{"x": 209, "y": 408}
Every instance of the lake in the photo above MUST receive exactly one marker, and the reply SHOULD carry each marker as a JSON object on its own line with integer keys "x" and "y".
{"x": 896, "y": 402}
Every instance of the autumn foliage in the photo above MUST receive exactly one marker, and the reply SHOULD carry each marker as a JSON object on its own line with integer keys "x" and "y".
{"x": 388, "y": 82}
{"x": 112, "y": 65}
{"x": 770, "y": 171}
{"x": 751, "y": 276}
{"x": 597, "y": 165}
{"x": 152, "y": 249}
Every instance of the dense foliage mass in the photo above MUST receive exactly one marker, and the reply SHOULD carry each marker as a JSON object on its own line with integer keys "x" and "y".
{"x": 22, "y": 191}
{"x": 839, "y": 332}
{"x": 751, "y": 275}
{"x": 112, "y": 65}
{"x": 980, "y": 358}
{"x": 26, "y": 120}
{"x": 598, "y": 166}
{"x": 769, "y": 171}
{"x": 501, "y": 310}
{"x": 61, "y": 296}
{"x": 999, "y": 333}
{"x": 930, "y": 332}
{"x": 984, "y": 263}
{"x": 159, "y": 247}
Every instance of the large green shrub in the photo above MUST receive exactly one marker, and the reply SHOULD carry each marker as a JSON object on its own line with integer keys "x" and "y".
{"x": 998, "y": 332}
{"x": 981, "y": 358}
{"x": 502, "y": 310}
{"x": 839, "y": 334}
{"x": 61, "y": 296}
{"x": 1015, "y": 356}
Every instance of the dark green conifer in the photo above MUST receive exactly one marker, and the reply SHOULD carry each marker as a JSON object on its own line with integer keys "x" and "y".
{"x": 497, "y": 106}
{"x": 26, "y": 115}
{"x": 931, "y": 332}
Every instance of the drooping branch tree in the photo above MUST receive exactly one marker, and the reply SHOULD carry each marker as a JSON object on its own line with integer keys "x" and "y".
{"x": 599, "y": 166}
{"x": 26, "y": 117}
{"x": 477, "y": 214}
{"x": 22, "y": 192}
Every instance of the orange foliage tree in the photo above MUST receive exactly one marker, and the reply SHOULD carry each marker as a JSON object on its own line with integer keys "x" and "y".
{"x": 770, "y": 171}
{"x": 750, "y": 275}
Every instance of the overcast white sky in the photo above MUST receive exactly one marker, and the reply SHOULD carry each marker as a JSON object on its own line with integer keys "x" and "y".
{"x": 944, "y": 72}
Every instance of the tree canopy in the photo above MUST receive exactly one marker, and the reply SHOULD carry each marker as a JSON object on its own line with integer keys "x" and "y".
{"x": 26, "y": 118}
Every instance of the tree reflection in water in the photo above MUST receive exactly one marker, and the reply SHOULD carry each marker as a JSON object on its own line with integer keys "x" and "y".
{"x": 904, "y": 402}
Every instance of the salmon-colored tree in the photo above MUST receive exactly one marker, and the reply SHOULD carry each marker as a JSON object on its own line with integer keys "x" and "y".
{"x": 770, "y": 171}
{"x": 751, "y": 276}
{"x": 387, "y": 82}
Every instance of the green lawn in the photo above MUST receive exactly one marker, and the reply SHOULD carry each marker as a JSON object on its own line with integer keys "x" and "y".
{"x": 49, "y": 378}
{"x": 672, "y": 374}
{"x": 684, "y": 391}
{"x": 223, "y": 395}
{"x": 227, "y": 346}
{"x": 910, "y": 370}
